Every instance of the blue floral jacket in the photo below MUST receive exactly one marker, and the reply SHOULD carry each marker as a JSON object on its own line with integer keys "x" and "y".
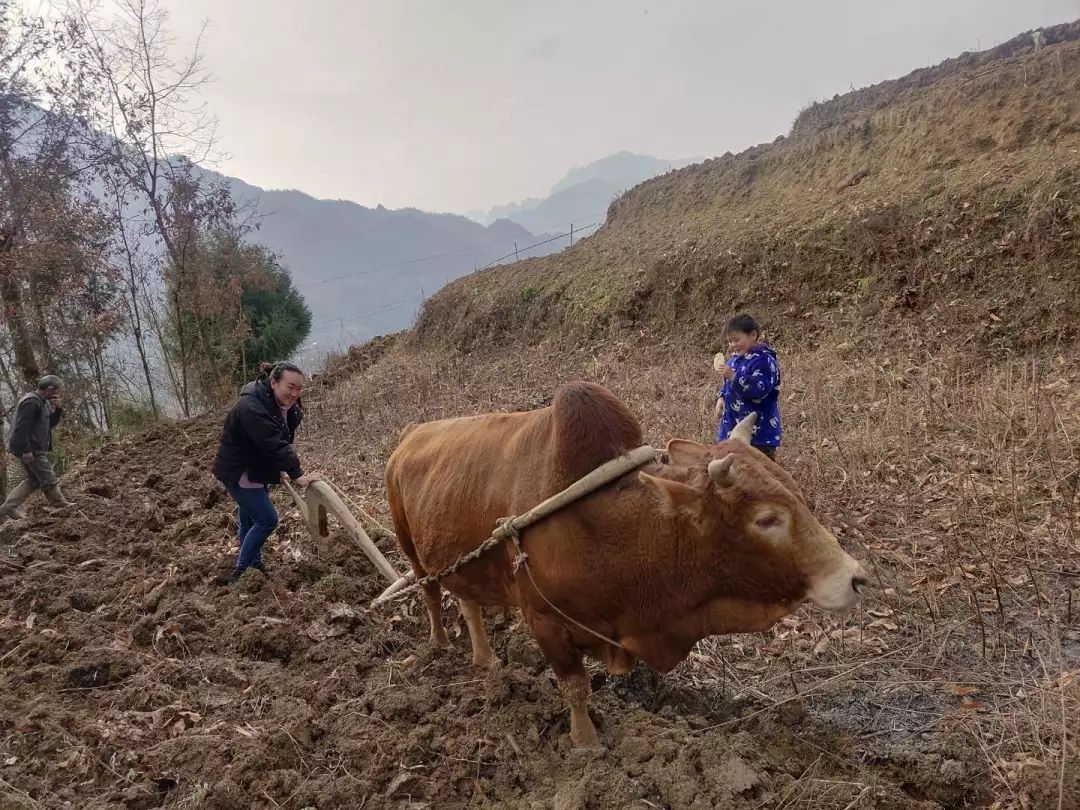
{"x": 756, "y": 388}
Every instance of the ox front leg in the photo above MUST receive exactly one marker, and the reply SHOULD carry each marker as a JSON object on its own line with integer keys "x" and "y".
{"x": 569, "y": 667}
{"x": 576, "y": 689}
{"x": 433, "y": 601}
{"x": 482, "y": 654}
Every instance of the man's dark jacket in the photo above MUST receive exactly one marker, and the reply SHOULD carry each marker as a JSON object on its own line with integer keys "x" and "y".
{"x": 32, "y": 430}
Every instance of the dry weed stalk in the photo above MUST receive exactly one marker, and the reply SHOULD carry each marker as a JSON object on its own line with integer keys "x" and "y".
{"x": 952, "y": 479}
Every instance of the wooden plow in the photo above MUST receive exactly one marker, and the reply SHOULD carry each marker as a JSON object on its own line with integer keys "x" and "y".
{"x": 317, "y": 503}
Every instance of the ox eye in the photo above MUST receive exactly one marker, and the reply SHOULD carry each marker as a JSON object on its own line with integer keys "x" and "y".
{"x": 768, "y": 521}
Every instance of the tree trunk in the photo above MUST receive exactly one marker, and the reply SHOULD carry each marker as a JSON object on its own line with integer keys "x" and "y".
{"x": 21, "y": 344}
{"x": 41, "y": 339}
{"x": 7, "y": 414}
{"x": 153, "y": 319}
{"x": 134, "y": 313}
{"x": 102, "y": 383}
{"x": 181, "y": 341}
{"x": 5, "y": 372}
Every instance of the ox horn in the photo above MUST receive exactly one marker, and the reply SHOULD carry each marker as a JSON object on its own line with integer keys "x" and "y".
{"x": 744, "y": 430}
{"x": 720, "y": 471}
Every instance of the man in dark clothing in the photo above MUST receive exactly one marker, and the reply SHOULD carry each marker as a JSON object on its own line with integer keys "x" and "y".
{"x": 256, "y": 451}
{"x": 31, "y": 440}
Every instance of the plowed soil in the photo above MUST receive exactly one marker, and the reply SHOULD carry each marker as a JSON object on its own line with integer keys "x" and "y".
{"x": 134, "y": 677}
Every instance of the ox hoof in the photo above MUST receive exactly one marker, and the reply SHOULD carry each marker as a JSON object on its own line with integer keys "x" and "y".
{"x": 587, "y": 742}
{"x": 491, "y": 663}
{"x": 589, "y": 749}
{"x": 440, "y": 644}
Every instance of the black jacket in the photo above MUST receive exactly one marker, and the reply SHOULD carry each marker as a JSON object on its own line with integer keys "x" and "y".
{"x": 256, "y": 440}
{"x": 31, "y": 432}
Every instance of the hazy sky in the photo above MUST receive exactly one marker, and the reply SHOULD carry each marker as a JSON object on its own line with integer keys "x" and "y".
{"x": 453, "y": 105}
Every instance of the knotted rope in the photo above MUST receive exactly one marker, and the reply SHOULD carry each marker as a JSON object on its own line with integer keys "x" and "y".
{"x": 522, "y": 561}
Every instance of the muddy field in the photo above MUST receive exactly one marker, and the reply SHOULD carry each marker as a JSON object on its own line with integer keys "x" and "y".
{"x": 133, "y": 677}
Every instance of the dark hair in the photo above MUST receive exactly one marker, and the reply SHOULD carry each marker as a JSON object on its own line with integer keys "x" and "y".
{"x": 742, "y": 323}
{"x": 274, "y": 371}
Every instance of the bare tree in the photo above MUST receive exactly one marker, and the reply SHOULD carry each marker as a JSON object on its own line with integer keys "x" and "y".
{"x": 35, "y": 137}
{"x": 155, "y": 136}
{"x": 137, "y": 282}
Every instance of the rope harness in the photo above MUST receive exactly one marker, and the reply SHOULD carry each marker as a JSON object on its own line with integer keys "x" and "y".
{"x": 510, "y": 528}
{"x": 522, "y": 561}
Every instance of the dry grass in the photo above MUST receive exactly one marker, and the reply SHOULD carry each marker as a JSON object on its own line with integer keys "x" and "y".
{"x": 955, "y": 481}
{"x": 960, "y": 482}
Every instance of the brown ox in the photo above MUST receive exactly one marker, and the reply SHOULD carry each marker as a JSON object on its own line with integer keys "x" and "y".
{"x": 717, "y": 540}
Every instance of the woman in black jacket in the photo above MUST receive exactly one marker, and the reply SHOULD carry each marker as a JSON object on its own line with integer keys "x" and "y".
{"x": 256, "y": 451}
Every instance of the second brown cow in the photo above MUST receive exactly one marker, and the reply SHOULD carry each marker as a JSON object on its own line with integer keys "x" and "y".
{"x": 718, "y": 539}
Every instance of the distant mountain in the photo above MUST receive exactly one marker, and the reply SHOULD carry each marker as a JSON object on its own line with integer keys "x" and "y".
{"x": 623, "y": 169}
{"x": 583, "y": 195}
{"x": 364, "y": 271}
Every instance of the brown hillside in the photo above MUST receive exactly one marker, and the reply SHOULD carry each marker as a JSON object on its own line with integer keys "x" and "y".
{"x": 945, "y": 204}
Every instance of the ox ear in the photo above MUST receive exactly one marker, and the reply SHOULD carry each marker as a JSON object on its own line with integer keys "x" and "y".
{"x": 686, "y": 453}
{"x": 675, "y": 495}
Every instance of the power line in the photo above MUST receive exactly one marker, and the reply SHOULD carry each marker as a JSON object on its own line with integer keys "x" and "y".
{"x": 538, "y": 244}
{"x": 335, "y": 322}
{"x": 431, "y": 256}
{"x": 339, "y": 321}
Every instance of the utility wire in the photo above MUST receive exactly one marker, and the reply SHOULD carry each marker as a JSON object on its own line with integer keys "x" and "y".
{"x": 336, "y": 322}
{"x": 430, "y": 256}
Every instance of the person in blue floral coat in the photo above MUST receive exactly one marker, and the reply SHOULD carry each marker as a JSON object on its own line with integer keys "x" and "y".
{"x": 751, "y": 385}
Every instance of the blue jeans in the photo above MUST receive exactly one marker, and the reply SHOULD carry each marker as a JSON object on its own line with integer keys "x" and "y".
{"x": 258, "y": 519}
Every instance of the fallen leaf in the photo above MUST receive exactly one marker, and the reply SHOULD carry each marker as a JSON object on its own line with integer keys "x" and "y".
{"x": 768, "y": 649}
{"x": 343, "y": 612}
{"x": 884, "y": 624}
{"x": 821, "y": 646}
{"x": 971, "y": 705}
{"x": 11, "y": 760}
{"x": 851, "y": 632}
{"x": 963, "y": 691}
{"x": 876, "y": 644}
{"x": 172, "y": 629}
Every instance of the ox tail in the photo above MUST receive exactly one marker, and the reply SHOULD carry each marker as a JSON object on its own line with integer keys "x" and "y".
{"x": 591, "y": 426}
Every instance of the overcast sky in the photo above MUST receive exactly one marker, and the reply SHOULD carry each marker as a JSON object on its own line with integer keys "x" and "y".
{"x": 453, "y": 105}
